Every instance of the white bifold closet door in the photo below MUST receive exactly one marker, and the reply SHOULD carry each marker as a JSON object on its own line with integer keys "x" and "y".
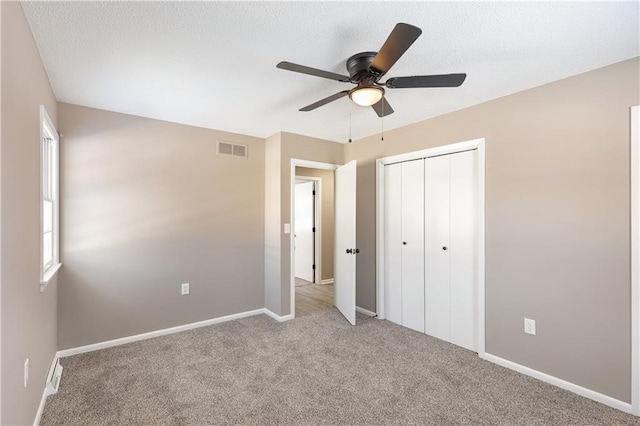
{"x": 404, "y": 244}
{"x": 450, "y": 248}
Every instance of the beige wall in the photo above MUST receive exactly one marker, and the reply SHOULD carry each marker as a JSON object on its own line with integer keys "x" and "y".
{"x": 148, "y": 205}
{"x": 557, "y": 221}
{"x": 28, "y": 316}
{"x": 273, "y": 228}
{"x": 326, "y": 217}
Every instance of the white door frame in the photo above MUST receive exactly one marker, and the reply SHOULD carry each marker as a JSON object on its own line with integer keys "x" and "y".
{"x": 295, "y": 162}
{"x": 635, "y": 259}
{"x": 317, "y": 223}
{"x": 477, "y": 144}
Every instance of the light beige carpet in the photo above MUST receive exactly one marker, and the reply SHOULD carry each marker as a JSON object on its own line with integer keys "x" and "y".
{"x": 312, "y": 370}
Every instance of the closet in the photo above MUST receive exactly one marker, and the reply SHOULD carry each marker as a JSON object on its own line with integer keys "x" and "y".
{"x": 430, "y": 234}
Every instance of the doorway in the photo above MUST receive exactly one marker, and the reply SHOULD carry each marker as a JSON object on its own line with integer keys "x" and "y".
{"x": 313, "y": 240}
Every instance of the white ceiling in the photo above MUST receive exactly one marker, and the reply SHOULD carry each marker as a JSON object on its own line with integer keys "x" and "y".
{"x": 213, "y": 64}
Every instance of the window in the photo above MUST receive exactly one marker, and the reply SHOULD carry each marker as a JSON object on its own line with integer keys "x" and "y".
{"x": 49, "y": 199}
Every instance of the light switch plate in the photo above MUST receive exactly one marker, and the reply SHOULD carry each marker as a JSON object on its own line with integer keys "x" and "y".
{"x": 287, "y": 228}
{"x": 184, "y": 289}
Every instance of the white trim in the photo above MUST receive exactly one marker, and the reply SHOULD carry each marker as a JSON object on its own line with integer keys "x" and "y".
{"x": 327, "y": 281}
{"x": 295, "y": 162}
{"x": 477, "y": 144}
{"x": 135, "y": 338}
{"x": 366, "y": 312}
{"x": 46, "y": 125}
{"x": 481, "y": 248}
{"x": 48, "y": 276}
{"x": 45, "y": 392}
{"x": 635, "y": 259}
{"x": 278, "y": 317}
{"x": 317, "y": 187}
{"x": 43, "y": 401}
{"x": 571, "y": 387}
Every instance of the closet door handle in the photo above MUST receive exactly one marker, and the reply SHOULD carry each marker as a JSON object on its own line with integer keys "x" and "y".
{"x": 404, "y": 243}
{"x": 444, "y": 248}
{"x": 349, "y": 251}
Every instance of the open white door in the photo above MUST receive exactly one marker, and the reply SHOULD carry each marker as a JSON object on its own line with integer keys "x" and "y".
{"x": 304, "y": 239}
{"x": 345, "y": 241}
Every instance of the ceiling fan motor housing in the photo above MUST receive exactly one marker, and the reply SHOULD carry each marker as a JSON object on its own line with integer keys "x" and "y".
{"x": 359, "y": 71}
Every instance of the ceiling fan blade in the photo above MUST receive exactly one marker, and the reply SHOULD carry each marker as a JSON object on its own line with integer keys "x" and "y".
{"x": 382, "y": 107}
{"x": 289, "y": 66}
{"x": 400, "y": 39}
{"x": 325, "y": 101}
{"x": 444, "y": 80}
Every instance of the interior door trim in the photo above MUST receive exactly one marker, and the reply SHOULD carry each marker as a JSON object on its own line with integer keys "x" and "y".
{"x": 295, "y": 162}
{"x": 635, "y": 259}
{"x": 477, "y": 144}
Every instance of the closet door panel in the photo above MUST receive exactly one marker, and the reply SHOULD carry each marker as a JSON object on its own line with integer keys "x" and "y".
{"x": 463, "y": 249}
{"x": 436, "y": 232}
{"x": 393, "y": 243}
{"x": 413, "y": 245}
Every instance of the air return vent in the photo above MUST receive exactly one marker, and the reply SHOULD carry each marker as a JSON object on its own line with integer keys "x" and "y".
{"x": 232, "y": 149}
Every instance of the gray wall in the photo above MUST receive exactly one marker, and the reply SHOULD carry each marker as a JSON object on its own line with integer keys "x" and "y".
{"x": 557, "y": 221}
{"x": 146, "y": 206}
{"x": 326, "y": 217}
{"x": 28, "y": 316}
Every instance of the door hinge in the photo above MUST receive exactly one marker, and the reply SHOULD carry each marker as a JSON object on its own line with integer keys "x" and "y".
{"x": 313, "y": 229}
{"x": 314, "y": 267}
{"x": 314, "y": 192}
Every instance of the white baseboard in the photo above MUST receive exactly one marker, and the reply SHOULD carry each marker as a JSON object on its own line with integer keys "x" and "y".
{"x": 43, "y": 400}
{"x": 45, "y": 392}
{"x": 163, "y": 332}
{"x": 365, "y": 312}
{"x": 327, "y": 281}
{"x": 587, "y": 393}
{"x": 278, "y": 317}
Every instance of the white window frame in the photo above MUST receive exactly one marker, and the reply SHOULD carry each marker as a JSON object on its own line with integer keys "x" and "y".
{"x": 48, "y": 131}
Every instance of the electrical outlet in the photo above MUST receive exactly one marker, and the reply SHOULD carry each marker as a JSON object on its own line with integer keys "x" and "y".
{"x": 184, "y": 289}
{"x": 530, "y": 326}
{"x": 26, "y": 372}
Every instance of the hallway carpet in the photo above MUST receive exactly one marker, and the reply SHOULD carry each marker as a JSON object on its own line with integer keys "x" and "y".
{"x": 313, "y": 370}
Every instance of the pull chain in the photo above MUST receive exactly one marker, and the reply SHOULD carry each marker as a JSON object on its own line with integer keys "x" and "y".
{"x": 382, "y": 122}
{"x": 349, "y": 126}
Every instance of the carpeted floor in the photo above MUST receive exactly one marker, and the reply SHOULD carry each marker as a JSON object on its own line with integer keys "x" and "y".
{"x": 313, "y": 370}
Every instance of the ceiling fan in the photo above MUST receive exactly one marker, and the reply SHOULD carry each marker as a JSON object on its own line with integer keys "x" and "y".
{"x": 367, "y": 68}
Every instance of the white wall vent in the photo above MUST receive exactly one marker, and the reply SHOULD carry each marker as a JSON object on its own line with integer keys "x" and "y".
{"x": 53, "y": 378}
{"x": 232, "y": 149}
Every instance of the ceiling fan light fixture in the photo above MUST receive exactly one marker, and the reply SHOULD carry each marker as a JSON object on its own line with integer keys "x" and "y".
{"x": 366, "y": 95}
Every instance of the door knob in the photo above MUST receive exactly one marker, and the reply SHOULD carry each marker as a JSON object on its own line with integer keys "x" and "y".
{"x": 404, "y": 243}
{"x": 444, "y": 248}
{"x": 349, "y": 251}
{"x": 356, "y": 251}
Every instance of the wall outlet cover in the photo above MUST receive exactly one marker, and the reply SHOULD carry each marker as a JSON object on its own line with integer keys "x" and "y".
{"x": 184, "y": 289}
{"x": 26, "y": 372}
{"x": 530, "y": 326}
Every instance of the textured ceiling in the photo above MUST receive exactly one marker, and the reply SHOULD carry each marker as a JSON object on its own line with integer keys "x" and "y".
{"x": 213, "y": 64}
